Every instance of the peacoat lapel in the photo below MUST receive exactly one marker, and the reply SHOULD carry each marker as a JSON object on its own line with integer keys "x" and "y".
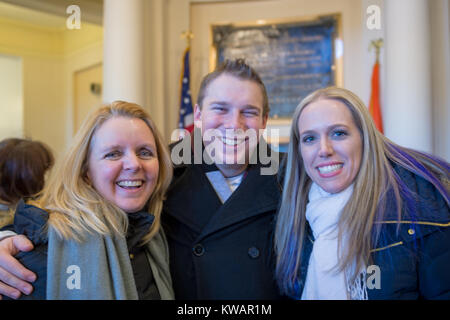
{"x": 257, "y": 194}
{"x": 193, "y": 201}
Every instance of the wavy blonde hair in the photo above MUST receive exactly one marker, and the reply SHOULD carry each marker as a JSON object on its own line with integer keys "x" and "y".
{"x": 74, "y": 206}
{"x": 375, "y": 178}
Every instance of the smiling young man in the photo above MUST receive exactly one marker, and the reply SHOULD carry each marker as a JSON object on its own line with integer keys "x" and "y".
{"x": 229, "y": 108}
{"x": 219, "y": 217}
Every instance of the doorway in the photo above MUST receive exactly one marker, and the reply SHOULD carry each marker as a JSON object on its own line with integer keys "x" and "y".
{"x": 11, "y": 93}
{"x": 87, "y": 93}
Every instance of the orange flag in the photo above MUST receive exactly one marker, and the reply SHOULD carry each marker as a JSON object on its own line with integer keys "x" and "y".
{"x": 374, "y": 105}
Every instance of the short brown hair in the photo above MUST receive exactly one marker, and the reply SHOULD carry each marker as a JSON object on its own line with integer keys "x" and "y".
{"x": 239, "y": 69}
{"x": 23, "y": 164}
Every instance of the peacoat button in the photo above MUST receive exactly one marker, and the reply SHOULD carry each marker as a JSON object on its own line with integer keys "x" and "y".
{"x": 253, "y": 252}
{"x": 198, "y": 250}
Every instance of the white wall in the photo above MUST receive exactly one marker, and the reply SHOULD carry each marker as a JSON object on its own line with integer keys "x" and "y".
{"x": 440, "y": 75}
{"x": 11, "y": 102}
{"x": 368, "y": 57}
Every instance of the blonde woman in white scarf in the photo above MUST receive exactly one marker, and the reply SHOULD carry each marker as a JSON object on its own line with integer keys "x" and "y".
{"x": 360, "y": 217}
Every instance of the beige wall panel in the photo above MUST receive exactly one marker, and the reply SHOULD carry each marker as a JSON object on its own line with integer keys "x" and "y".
{"x": 85, "y": 100}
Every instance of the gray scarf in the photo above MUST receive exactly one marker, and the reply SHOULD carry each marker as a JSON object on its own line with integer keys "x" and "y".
{"x": 99, "y": 268}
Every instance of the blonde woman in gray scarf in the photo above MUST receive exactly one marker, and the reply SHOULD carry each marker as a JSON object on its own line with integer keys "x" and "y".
{"x": 96, "y": 228}
{"x": 360, "y": 217}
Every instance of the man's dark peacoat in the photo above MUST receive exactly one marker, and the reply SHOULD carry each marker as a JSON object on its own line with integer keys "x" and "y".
{"x": 221, "y": 251}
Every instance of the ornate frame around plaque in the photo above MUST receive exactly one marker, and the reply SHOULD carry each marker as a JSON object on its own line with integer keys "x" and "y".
{"x": 293, "y": 57}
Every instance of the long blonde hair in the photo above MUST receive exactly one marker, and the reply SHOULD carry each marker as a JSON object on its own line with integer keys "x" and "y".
{"x": 75, "y": 207}
{"x": 375, "y": 178}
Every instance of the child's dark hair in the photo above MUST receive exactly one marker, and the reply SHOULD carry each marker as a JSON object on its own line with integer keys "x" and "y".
{"x": 23, "y": 164}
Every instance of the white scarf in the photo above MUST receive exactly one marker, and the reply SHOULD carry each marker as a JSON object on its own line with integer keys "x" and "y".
{"x": 323, "y": 282}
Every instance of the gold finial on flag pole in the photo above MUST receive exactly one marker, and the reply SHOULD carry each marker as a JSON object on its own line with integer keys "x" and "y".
{"x": 188, "y": 35}
{"x": 377, "y": 44}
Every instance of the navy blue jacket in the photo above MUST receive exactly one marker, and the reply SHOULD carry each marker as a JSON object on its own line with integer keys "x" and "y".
{"x": 414, "y": 261}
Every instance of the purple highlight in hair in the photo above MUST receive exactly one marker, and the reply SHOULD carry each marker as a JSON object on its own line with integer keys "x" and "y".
{"x": 418, "y": 168}
{"x": 411, "y": 202}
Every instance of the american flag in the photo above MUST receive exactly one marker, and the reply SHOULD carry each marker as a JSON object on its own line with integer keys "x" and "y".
{"x": 186, "y": 111}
